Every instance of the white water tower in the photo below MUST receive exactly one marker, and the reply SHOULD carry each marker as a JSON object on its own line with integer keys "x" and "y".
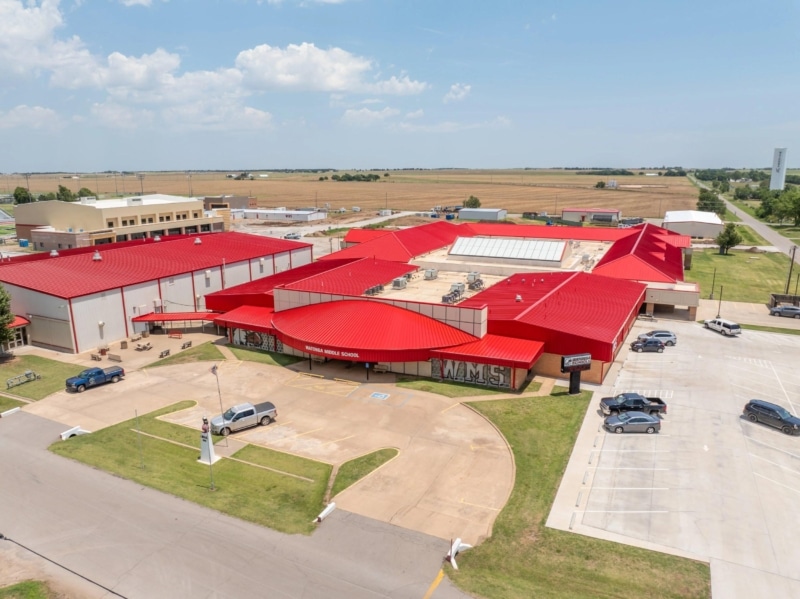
{"x": 778, "y": 178}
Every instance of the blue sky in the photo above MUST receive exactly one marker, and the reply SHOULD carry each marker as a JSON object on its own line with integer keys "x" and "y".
{"x": 244, "y": 84}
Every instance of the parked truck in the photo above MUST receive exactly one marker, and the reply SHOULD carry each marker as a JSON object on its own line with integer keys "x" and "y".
{"x": 92, "y": 377}
{"x": 243, "y": 415}
{"x": 630, "y": 402}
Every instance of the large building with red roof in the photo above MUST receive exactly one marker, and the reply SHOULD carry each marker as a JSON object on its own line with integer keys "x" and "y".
{"x": 78, "y": 300}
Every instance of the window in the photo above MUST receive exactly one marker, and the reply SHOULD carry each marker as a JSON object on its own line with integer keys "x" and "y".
{"x": 168, "y": 217}
{"x": 59, "y": 246}
{"x": 110, "y": 224}
{"x": 161, "y": 219}
{"x": 195, "y": 215}
{"x": 150, "y": 219}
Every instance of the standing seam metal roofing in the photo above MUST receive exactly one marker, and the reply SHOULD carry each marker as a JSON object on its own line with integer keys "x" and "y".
{"x": 353, "y": 278}
{"x": 494, "y": 349}
{"x": 645, "y": 256}
{"x": 70, "y": 276}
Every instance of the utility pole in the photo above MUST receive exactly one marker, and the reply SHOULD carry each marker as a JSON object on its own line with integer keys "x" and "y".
{"x": 140, "y": 176}
{"x": 791, "y": 265}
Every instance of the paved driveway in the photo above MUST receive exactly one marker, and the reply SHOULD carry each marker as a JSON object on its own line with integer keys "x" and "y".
{"x": 453, "y": 475}
{"x": 711, "y": 485}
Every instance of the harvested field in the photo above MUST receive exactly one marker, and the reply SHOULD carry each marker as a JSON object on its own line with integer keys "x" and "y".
{"x": 515, "y": 190}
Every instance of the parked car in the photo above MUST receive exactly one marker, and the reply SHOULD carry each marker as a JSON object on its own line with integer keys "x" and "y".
{"x": 648, "y": 345}
{"x": 632, "y": 402}
{"x": 667, "y": 337}
{"x": 243, "y": 416}
{"x": 292, "y": 236}
{"x": 758, "y": 410}
{"x": 726, "y": 327}
{"x": 790, "y": 311}
{"x": 633, "y": 422}
{"x": 92, "y": 377}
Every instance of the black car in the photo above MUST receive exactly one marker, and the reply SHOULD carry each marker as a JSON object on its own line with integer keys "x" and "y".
{"x": 758, "y": 410}
{"x": 651, "y": 344}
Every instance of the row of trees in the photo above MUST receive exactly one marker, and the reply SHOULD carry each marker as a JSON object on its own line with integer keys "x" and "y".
{"x": 709, "y": 201}
{"x": 369, "y": 177}
{"x": 723, "y": 174}
{"x": 780, "y": 206}
{"x": 64, "y": 194}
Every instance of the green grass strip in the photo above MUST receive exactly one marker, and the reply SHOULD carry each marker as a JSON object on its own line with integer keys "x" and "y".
{"x": 353, "y": 471}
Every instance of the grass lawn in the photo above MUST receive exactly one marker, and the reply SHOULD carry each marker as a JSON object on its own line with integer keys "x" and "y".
{"x": 353, "y": 471}
{"x": 745, "y": 277}
{"x": 453, "y": 388}
{"x": 758, "y": 327}
{"x": 29, "y": 589}
{"x": 789, "y": 231}
{"x": 6, "y": 403}
{"x": 54, "y": 374}
{"x": 205, "y": 352}
{"x": 264, "y": 357}
{"x": 750, "y": 237}
{"x": 730, "y": 217}
{"x": 280, "y": 502}
{"x": 525, "y": 559}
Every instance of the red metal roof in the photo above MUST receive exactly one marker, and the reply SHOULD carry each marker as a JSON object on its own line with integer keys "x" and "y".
{"x": 545, "y": 232}
{"x": 260, "y": 291}
{"x": 362, "y": 235}
{"x": 74, "y": 275}
{"x": 251, "y": 318}
{"x": 494, "y": 349}
{"x": 645, "y": 256}
{"x": 353, "y": 278}
{"x": 18, "y": 321}
{"x": 174, "y": 316}
{"x": 365, "y": 331}
{"x": 403, "y": 245}
{"x": 571, "y": 312}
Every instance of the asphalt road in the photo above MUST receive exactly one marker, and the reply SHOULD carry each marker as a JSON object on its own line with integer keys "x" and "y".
{"x": 142, "y": 543}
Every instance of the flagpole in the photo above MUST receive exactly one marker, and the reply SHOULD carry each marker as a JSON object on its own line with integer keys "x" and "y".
{"x": 219, "y": 394}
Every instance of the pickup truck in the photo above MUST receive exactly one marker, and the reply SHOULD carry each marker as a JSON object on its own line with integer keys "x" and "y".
{"x": 628, "y": 402}
{"x": 91, "y": 377}
{"x": 243, "y": 415}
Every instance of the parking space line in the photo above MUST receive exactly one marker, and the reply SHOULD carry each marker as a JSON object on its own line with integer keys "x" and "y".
{"x": 337, "y": 440}
{"x": 483, "y": 507}
{"x": 775, "y": 372}
{"x": 630, "y": 488}
{"x": 794, "y": 455}
{"x": 638, "y": 450}
{"x": 626, "y": 512}
{"x": 300, "y": 434}
{"x": 627, "y": 468}
{"x": 758, "y": 457}
{"x": 777, "y": 483}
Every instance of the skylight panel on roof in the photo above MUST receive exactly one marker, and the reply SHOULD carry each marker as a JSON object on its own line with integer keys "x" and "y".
{"x": 512, "y": 249}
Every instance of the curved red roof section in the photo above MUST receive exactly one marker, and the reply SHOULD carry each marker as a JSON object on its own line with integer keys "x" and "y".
{"x": 365, "y": 331}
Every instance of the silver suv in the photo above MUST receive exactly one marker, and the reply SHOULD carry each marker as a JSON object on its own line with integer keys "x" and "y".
{"x": 666, "y": 337}
{"x": 789, "y": 311}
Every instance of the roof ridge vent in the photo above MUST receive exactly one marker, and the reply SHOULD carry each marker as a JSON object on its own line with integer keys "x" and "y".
{"x": 53, "y": 253}
{"x": 197, "y": 241}
{"x": 96, "y": 256}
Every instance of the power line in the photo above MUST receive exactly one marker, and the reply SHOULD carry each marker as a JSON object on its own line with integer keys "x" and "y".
{"x": 44, "y": 557}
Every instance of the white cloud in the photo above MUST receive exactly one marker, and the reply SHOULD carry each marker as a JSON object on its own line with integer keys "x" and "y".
{"x": 136, "y": 2}
{"x": 417, "y": 114}
{"x": 118, "y": 116}
{"x": 458, "y": 91}
{"x": 30, "y": 117}
{"x": 500, "y": 122}
{"x": 306, "y": 67}
{"x": 364, "y": 116}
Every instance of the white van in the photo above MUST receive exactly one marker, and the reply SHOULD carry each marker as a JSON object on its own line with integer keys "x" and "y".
{"x": 726, "y": 327}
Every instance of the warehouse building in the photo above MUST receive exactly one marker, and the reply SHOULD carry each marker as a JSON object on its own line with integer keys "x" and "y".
{"x": 488, "y": 214}
{"x": 279, "y": 215}
{"x": 694, "y": 223}
{"x": 79, "y": 300}
{"x": 590, "y": 215}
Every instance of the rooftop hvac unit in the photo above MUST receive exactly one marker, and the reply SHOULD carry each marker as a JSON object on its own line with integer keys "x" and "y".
{"x": 431, "y": 274}
{"x": 458, "y": 288}
{"x": 473, "y": 276}
{"x": 399, "y": 283}
{"x": 585, "y": 258}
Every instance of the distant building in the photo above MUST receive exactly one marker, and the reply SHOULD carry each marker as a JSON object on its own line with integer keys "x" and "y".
{"x": 229, "y": 201}
{"x": 592, "y": 215}
{"x": 279, "y": 215}
{"x": 777, "y": 179}
{"x": 693, "y": 223}
{"x": 55, "y": 225}
{"x": 491, "y": 214}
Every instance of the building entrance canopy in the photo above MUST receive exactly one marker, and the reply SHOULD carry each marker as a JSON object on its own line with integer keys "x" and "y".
{"x": 365, "y": 331}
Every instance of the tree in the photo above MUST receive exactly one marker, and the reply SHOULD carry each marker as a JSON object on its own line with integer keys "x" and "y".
{"x": 65, "y": 194}
{"x": 6, "y": 317}
{"x": 385, "y": 174}
{"x": 724, "y": 186}
{"x": 742, "y": 193}
{"x": 787, "y": 206}
{"x": 45, "y": 197}
{"x": 708, "y": 201}
{"x": 22, "y": 196}
{"x": 85, "y": 192}
{"x": 472, "y": 202}
{"x": 728, "y": 238}
{"x": 601, "y": 185}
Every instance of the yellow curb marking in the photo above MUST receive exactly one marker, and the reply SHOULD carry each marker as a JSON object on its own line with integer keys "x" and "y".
{"x": 483, "y": 507}
{"x": 434, "y": 584}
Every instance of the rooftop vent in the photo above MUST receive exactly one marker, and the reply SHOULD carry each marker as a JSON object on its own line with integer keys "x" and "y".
{"x": 157, "y": 238}
{"x": 518, "y": 298}
{"x": 96, "y": 256}
{"x": 197, "y": 241}
{"x": 53, "y": 253}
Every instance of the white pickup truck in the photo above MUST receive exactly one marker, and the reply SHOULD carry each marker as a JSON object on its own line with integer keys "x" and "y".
{"x": 243, "y": 415}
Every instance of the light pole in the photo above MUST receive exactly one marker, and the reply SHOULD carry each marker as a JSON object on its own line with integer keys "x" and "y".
{"x": 140, "y": 176}
{"x": 713, "y": 280}
{"x": 791, "y": 265}
{"x": 189, "y": 176}
{"x": 214, "y": 370}
{"x": 797, "y": 281}
{"x": 719, "y": 307}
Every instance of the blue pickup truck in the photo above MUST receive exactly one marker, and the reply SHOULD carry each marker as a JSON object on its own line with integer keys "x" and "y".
{"x": 91, "y": 377}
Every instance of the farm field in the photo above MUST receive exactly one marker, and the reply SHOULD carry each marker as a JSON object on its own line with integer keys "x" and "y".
{"x": 515, "y": 190}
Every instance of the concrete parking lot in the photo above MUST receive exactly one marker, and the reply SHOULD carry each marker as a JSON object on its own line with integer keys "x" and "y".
{"x": 711, "y": 485}
{"x": 452, "y": 476}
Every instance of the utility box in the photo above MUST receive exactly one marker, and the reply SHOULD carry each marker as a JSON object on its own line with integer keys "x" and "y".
{"x": 399, "y": 283}
{"x": 458, "y": 288}
{"x": 473, "y": 276}
{"x": 431, "y": 274}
